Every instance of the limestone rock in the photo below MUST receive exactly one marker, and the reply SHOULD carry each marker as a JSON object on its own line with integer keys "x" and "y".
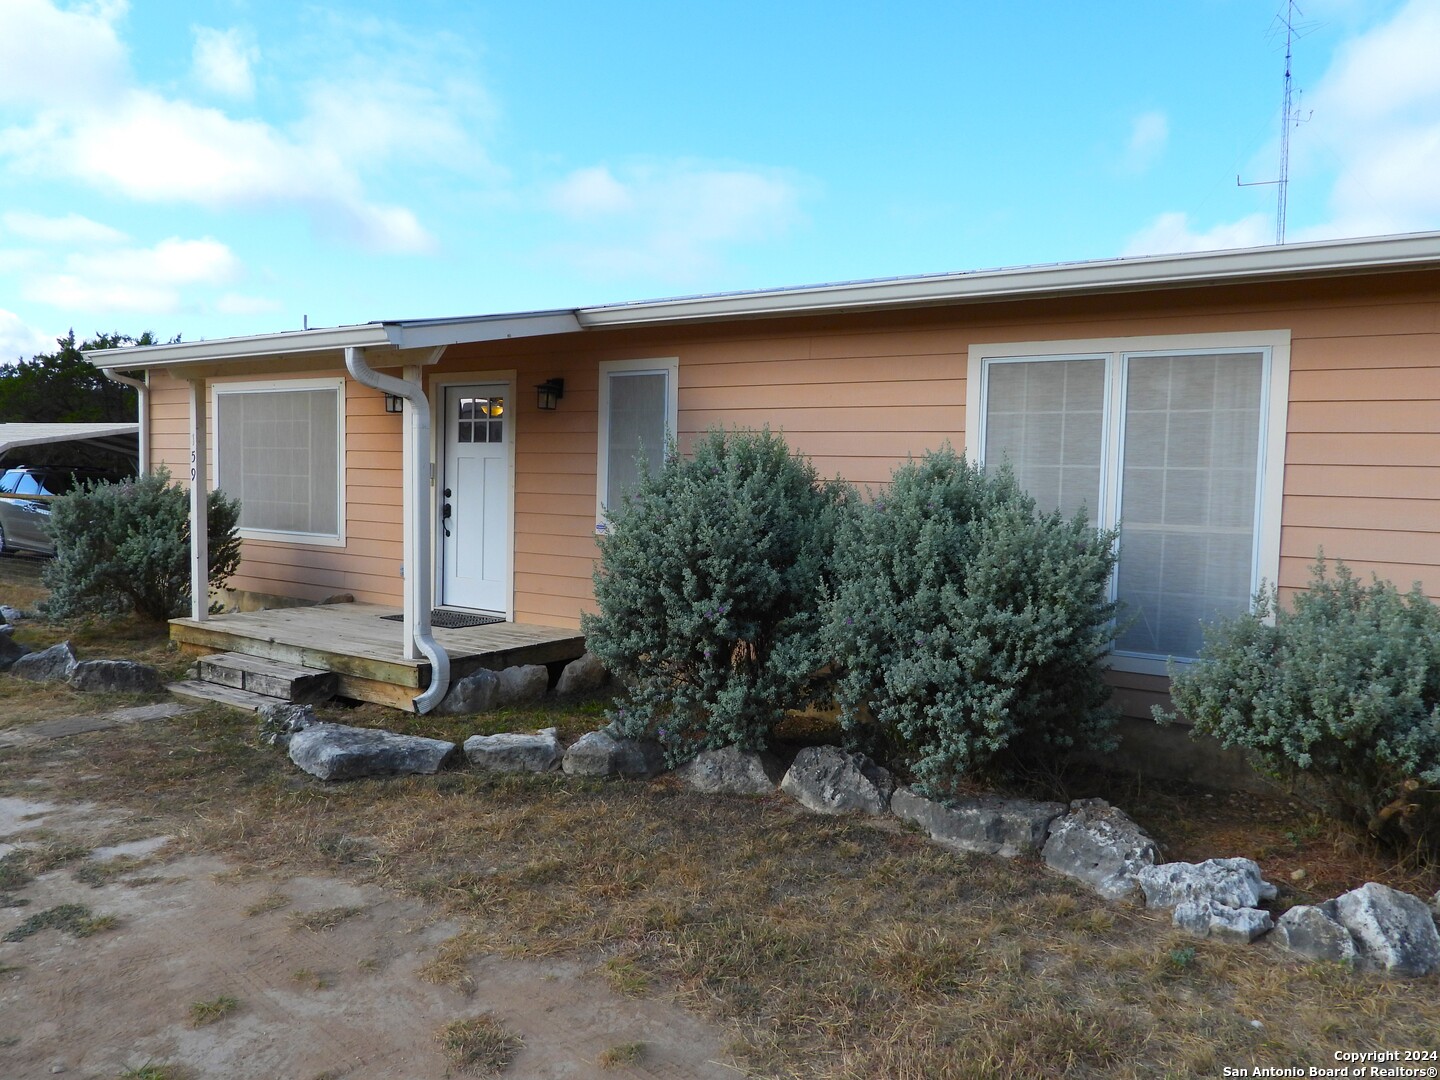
{"x": 827, "y": 780}
{"x": 511, "y": 752}
{"x": 115, "y": 675}
{"x": 522, "y": 685}
{"x": 1314, "y": 933}
{"x": 11, "y": 615}
{"x": 732, "y": 771}
{"x": 341, "y": 752}
{"x": 1393, "y": 931}
{"x": 582, "y": 676}
{"x": 1234, "y": 883}
{"x": 282, "y": 720}
{"x": 601, "y": 754}
{"x": 988, "y": 824}
{"x": 1097, "y": 844}
{"x": 1208, "y": 918}
{"x": 10, "y": 649}
{"x": 54, "y": 664}
{"x": 475, "y": 693}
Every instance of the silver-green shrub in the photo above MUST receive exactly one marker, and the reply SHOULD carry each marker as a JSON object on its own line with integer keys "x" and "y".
{"x": 1340, "y": 692}
{"x": 708, "y": 590}
{"x": 971, "y": 627}
{"x": 126, "y": 547}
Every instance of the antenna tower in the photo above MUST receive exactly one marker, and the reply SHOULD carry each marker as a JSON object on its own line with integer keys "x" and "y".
{"x": 1289, "y": 117}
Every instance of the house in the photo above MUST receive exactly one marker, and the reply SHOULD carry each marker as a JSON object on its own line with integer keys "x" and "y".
{"x": 1236, "y": 411}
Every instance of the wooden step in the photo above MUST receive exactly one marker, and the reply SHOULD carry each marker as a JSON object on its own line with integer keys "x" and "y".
{"x": 271, "y": 678}
{"x": 195, "y": 690}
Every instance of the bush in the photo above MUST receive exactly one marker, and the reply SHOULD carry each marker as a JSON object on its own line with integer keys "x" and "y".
{"x": 971, "y": 627}
{"x": 126, "y": 547}
{"x": 708, "y": 590}
{"x": 1339, "y": 695}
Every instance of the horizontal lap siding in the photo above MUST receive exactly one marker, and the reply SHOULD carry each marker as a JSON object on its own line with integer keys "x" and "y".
{"x": 1362, "y": 477}
{"x": 860, "y": 393}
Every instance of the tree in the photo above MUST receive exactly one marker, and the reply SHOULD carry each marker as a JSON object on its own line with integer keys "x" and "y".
{"x": 63, "y": 387}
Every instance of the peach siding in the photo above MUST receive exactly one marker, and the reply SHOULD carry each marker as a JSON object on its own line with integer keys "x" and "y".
{"x": 368, "y": 565}
{"x": 859, "y": 392}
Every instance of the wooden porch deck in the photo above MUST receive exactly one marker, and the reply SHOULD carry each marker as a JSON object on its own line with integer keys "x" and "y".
{"x": 363, "y": 649}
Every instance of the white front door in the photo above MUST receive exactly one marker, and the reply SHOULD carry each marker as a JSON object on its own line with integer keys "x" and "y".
{"x": 475, "y": 498}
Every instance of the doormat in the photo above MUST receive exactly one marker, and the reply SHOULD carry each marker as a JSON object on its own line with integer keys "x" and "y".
{"x": 453, "y": 620}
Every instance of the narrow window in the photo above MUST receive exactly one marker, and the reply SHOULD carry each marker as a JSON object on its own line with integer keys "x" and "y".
{"x": 637, "y": 415}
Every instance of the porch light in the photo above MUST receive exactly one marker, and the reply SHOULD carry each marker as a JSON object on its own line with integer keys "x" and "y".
{"x": 394, "y": 403}
{"x": 549, "y": 393}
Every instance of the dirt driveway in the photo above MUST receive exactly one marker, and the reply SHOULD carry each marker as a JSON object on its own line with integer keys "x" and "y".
{"x": 323, "y": 976}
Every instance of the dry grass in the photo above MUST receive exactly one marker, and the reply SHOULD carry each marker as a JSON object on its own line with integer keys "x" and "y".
{"x": 481, "y": 1044}
{"x": 318, "y": 922}
{"x": 621, "y": 1055}
{"x": 204, "y": 1013}
{"x": 836, "y": 948}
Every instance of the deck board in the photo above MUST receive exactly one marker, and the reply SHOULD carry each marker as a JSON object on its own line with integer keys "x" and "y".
{"x": 365, "y": 649}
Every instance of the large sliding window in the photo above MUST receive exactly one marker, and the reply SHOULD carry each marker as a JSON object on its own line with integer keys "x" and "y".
{"x": 638, "y": 410}
{"x": 278, "y": 449}
{"x": 1179, "y": 441}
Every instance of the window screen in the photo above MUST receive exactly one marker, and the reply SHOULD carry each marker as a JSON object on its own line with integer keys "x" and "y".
{"x": 278, "y": 452}
{"x": 1046, "y": 420}
{"x": 638, "y": 409}
{"x": 1192, "y": 445}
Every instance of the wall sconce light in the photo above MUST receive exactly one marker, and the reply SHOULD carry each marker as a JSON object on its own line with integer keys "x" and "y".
{"x": 394, "y": 403}
{"x": 549, "y": 393}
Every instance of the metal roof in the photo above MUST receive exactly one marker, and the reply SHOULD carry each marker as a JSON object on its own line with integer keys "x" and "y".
{"x": 111, "y": 436}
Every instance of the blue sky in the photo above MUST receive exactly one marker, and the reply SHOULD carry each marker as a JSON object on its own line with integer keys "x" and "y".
{"x": 221, "y": 167}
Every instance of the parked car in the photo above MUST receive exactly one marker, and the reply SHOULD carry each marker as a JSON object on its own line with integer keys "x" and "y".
{"x": 25, "y": 523}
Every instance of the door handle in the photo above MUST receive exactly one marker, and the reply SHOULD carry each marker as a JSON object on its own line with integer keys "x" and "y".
{"x": 445, "y": 513}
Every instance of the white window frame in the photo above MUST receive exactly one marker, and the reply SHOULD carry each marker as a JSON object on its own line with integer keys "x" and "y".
{"x": 336, "y": 539}
{"x": 669, "y": 367}
{"x": 1273, "y": 345}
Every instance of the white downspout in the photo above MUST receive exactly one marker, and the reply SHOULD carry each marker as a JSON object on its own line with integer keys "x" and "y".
{"x": 417, "y": 525}
{"x": 142, "y": 387}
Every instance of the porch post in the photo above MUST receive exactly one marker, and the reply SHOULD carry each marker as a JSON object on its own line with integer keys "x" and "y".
{"x": 199, "y": 519}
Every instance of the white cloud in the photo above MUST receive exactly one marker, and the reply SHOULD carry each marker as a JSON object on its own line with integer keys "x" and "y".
{"x": 1173, "y": 232}
{"x": 56, "y": 57}
{"x": 146, "y": 280}
{"x": 1149, "y": 133}
{"x": 1377, "y": 114}
{"x": 588, "y": 193}
{"x": 19, "y": 341}
{"x": 350, "y": 129}
{"x": 670, "y": 219}
{"x": 72, "y": 229}
{"x": 222, "y": 61}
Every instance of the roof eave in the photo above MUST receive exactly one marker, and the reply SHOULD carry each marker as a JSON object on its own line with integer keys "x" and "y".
{"x": 396, "y": 334}
{"x": 1320, "y": 259}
